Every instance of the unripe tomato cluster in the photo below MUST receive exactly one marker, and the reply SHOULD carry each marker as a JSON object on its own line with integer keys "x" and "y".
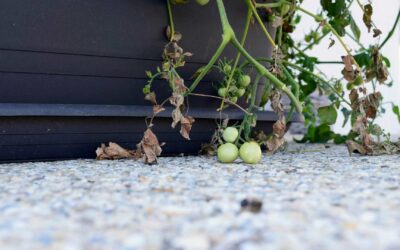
{"x": 237, "y": 87}
{"x": 250, "y": 152}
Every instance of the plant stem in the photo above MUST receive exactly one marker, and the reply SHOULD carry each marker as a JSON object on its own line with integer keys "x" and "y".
{"x": 355, "y": 40}
{"x": 171, "y": 19}
{"x": 319, "y": 78}
{"x": 295, "y": 86}
{"x": 264, "y": 72}
{"x": 320, "y": 19}
{"x": 229, "y": 36}
{"x": 206, "y": 69}
{"x": 268, "y": 5}
{"x": 220, "y": 98}
{"x": 254, "y": 92}
{"x": 245, "y": 32}
{"x": 391, "y": 32}
{"x": 315, "y": 42}
{"x": 329, "y": 62}
{"x": 255, "y": 13}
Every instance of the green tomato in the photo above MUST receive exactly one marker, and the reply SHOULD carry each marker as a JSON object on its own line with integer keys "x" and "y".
{"x": 285, "y": 9}
{"x": 244, "y": 81}
{"x": 227, "y": 69}
{"x": 234, "y": 99}
{"x": 250, "y": 152}
{"x": 202, "y": 2}
{"x": 227, "y": 153}
{"x": 233, "y": 89}
{"x": 222, "y": 92}
{"x": 230, "y": 134}
{"x": 241, "y": 92}
{"x": 179, "y": 1}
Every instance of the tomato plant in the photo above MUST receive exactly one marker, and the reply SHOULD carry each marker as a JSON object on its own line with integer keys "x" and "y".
{"x": 290, "y": 71}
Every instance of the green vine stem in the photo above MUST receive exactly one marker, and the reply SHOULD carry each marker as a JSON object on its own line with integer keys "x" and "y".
{"x": 229, "y": 36}
{"x": 225, "y": 41}
{"x": 260, "y": 22}
{"x": 235, "y": 64}
{"x": 264, "y": 72}
{"x": 319, "y": 78}
{"x": 295, "y": 66}
{"x": 391, "y": 32}
{"x": 171, "y": 19}
{"x": 320, "y": 19}
{"x": 295, "y": 86}
{"x": 268, "y": 5}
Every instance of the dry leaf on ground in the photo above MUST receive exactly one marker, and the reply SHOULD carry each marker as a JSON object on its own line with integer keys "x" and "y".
{"x": 149, "y": 147}
{"x": 114, "y": 151}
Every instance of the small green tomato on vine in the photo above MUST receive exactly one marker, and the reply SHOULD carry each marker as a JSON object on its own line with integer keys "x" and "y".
{"x": 202, "y": 2}
{"x": 230, "y": 134}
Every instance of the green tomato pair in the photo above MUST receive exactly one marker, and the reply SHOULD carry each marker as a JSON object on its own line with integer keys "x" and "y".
{"x": 250, "y": 152}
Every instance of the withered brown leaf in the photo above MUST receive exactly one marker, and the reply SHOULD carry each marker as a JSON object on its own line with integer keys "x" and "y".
{"x": 151, "y": 97}
{"x": 149, "y": 147}
{"x": 186, "y": 126}
{"x": 349, "y": 73}
{"x": 354, "y": 147}
{"x": 276, "y": 141}
{"x": 331, "y": 43}
{"x": 176, "y": 100}
{"x": 158, "y": 109}
{"x": 114, "y": 151}
{"x": 377, "y": 32}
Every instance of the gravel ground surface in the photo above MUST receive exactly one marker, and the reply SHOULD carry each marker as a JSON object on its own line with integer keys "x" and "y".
{"x": 313, "y": 198}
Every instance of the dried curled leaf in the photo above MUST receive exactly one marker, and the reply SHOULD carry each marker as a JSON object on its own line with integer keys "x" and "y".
{"x": 158, "y": 109}
{"x": 177, "y": 100}
{"x": 354, "y": 147}
{"x": 151, "y": 97}
{"x": 331, "y": 43}
{"x": 208, "y": 149}
{"x": 186, "y": 126}
{"x": 371, "y": 103}
{"x": 277, "y": 140}
{"x": 349, "y": 73}
{"x": 114, "y": 152}
{"x": 149, "y": 147}
{"x": 367, "y": 17}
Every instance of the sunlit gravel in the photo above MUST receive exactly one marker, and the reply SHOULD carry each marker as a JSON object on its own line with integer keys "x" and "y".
{"x": 314, "y": 197}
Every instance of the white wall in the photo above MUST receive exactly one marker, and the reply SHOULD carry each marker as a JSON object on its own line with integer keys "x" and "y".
{"x": 385, "y": 13}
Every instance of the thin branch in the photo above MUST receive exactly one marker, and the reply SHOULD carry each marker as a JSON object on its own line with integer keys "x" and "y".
{"x": 258, "y": 18}
{"x": 220, "y": 98}
{"x": 171, "y": 19}
{"x": 392, "y": 31}
{"x": 242, "y": 42}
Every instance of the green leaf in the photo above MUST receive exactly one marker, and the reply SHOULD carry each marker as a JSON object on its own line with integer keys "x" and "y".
{"x": 339, "y": 24}
{"x": 149, "y": 74}
{"x": 364, "y": 59}
{"x": 333, "y": 8}
{"x": 355, "y": 29}
{"x": 323, "y": 133}
{"x": 387, "y": 61}
{"x": 396, "y": 111}
{"x": 327, "y": 114}
{"x": 346, "y": 114}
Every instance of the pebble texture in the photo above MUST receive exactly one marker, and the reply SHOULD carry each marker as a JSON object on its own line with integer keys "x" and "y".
{"x": 313, "y": 198}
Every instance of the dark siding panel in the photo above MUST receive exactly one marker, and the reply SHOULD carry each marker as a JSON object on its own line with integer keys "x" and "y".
{"x": 65, "y": 89}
